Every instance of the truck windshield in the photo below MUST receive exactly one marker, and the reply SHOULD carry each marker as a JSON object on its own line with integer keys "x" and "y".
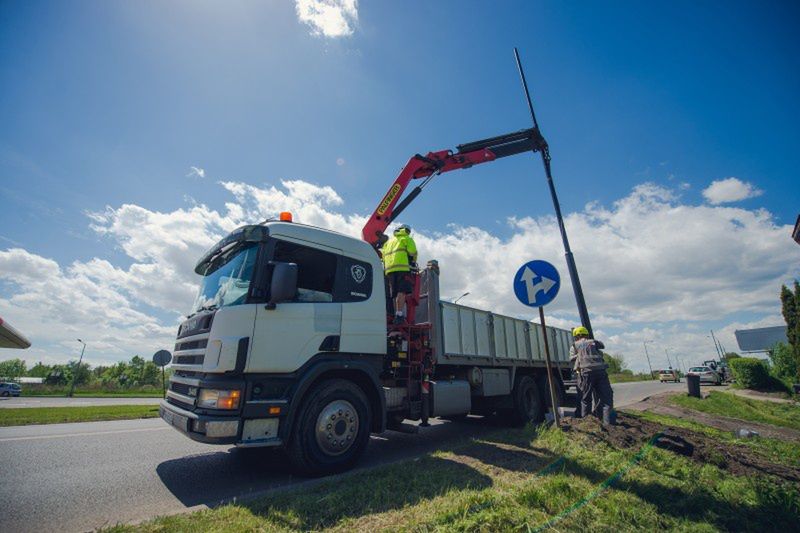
{"x": 229, "y": 282}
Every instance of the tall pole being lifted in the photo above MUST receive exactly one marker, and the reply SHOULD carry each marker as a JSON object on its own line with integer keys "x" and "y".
{"x": 573, "y": 270}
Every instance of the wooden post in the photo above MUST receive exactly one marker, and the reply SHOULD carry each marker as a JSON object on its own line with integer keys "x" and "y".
{"x": 549, "y": 369}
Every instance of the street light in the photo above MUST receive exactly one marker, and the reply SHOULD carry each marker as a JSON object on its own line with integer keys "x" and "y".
{"x": 644, "y": 343}
{"x": 75, "y": 372}
{"x": 457, "y": 299}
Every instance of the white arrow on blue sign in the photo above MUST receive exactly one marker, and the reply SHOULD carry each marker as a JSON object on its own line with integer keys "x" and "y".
{"x": 536, "y": 283}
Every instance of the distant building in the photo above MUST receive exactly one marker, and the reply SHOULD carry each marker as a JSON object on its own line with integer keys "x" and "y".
{"x": 11, "y": 338}
{"x": 760, "y": 339}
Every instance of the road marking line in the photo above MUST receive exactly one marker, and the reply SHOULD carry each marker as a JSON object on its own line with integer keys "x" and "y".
{"x": 84, "y": 434}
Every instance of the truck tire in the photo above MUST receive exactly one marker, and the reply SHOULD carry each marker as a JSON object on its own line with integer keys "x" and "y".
{"x": 332, "y": 429}
{"x": 544, "y": 390}
{"x": 528, "y": 406}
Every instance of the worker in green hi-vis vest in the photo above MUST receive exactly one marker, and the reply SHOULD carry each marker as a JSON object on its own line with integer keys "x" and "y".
{"x": 399, "y": 254}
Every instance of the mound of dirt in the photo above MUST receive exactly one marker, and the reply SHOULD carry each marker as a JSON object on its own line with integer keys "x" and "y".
{"x": 633, "y": 433}
{"x": 660, "y": 404}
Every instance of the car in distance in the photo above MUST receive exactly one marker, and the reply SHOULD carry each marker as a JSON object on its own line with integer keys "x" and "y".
{"x": 706, "y": 374}
{"x": 669, "y": 374}
{"x": 10, "y": 389}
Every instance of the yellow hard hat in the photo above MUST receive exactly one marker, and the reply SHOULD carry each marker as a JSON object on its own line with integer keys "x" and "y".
{"x": 580, "y": 330}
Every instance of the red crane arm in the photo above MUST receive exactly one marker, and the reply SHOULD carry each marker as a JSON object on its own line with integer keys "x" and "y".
{"x": 418, "y": 167}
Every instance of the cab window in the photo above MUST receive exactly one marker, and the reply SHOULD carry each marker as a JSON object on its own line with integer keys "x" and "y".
{"x": 316, "y": 270}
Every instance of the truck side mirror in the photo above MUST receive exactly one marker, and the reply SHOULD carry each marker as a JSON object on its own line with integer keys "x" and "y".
{"x": 283, "y": 287}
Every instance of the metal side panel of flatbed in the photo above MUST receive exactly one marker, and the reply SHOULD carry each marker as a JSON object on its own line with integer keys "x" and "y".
{"x": 466, "y": 336}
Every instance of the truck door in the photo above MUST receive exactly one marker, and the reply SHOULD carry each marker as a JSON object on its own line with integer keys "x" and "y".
{"x": 289, "y": 335}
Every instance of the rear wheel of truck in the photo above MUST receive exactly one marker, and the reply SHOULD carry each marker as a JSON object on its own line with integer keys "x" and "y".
{"x": 331, "y": 430}
{"x": 544, "y": 390}
{"x": 528, "y": 406}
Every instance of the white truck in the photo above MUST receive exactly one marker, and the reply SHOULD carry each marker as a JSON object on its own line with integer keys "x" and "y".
{"x": 290, "y": 343}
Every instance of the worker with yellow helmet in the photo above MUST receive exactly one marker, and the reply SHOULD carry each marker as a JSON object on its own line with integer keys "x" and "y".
{"x": 594, "y": 388}
{"x": 399, "y": 256}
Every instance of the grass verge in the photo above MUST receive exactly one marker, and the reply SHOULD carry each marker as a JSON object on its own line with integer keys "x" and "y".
{"x": 525, "y": 480}
{"x": 26, "y": 416}
{"x": 628, "y": 378}
{"x": 724, "y": 404}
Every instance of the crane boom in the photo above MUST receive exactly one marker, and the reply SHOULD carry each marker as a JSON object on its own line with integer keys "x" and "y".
{"x": 425, "y": 167}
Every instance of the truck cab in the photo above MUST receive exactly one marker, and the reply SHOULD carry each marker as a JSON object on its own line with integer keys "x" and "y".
{"x": 280, "y": 305}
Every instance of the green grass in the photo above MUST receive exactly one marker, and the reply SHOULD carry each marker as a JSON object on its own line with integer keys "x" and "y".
{"x": 147, "y": 391}
{"x": 627, "y": 378}
{"x": 516, "y": 480}
{"x": 720, "y": 403}
{"x": 57, "y": 415}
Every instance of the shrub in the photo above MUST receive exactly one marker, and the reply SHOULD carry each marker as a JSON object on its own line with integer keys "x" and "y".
{"x": 750, "y": 373}
{"x": 784, "y": 362}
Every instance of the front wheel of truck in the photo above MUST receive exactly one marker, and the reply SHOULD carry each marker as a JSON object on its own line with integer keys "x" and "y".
{"x": 332, "y": 429}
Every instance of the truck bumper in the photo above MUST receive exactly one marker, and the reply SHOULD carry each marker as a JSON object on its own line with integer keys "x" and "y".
{"x": 201, "y": 428}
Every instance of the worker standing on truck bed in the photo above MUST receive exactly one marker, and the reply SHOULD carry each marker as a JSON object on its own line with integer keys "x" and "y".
{"x": 594, "y": 389}
{"x": 399, "y": 253}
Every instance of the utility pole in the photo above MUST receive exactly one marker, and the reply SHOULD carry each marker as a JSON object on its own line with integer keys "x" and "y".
{"x": 573, "y": 270}
{"x": 648, "y": 358}
{"x": 77, "y": 369}
{"x": 667, "y": 354}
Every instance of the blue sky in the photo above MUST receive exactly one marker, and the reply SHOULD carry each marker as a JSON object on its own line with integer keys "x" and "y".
{"x": 111, "y": 104}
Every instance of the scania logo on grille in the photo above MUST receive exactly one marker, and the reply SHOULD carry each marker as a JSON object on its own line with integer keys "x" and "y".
{"x": 358, "y": 272}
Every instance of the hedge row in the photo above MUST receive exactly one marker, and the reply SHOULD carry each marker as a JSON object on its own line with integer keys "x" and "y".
{"x": 750, "y": 373}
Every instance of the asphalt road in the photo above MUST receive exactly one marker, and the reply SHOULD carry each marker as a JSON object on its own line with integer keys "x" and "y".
{"x": 54, "y": 401}
{"x": 74, "y": 477}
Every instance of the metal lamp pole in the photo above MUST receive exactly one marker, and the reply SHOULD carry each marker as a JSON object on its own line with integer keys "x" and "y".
{"x": 573, "y": 269}
{"x": 75, "y": 373}
{"x": 644, "y": 343}
{"x": 669, "y": 362}
{"x": 457, "y": 299}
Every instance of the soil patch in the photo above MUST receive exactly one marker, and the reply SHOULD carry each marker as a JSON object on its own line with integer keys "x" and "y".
{"x": 660, "y": 405}
{"x": 633, "y": 433}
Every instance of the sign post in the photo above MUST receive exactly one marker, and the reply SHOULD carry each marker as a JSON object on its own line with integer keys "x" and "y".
{"x": 162, "y": 358}
{"x": 536, "y": 284}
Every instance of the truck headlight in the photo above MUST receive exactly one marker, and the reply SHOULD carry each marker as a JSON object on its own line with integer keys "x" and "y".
{"x": 219, "y": 399}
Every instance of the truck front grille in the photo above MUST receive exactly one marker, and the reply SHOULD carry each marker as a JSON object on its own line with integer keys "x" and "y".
{"x": 189, "y": 359}
{"x": 191, "y": 345}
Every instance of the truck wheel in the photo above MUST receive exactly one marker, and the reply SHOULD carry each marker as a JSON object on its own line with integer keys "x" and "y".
{"x": 544, "y": 390}
{"x": 528, "y": 406}
{"x": 332, "y": 429}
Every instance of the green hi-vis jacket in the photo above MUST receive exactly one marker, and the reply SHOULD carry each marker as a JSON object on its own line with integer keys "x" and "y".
{"x": 398, "y": 252}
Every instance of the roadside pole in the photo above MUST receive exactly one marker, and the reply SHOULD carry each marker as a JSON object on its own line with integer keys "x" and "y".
{"x": 77, "y": 369}
{"x": 549, "y": 369}
{"x": 536, "y": 284}
{"x": 648, "y": 358}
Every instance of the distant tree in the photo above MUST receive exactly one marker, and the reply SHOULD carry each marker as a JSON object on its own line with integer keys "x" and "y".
{"x": 790, "y": 307}
{"x": 784, "y": 363}
{"x": 39, "y": 370}
{"x": 80, "y": 373}
{"x": 59, "y": 375}
{"x": 616, "y": 363}
{"x": 13, "y": 368}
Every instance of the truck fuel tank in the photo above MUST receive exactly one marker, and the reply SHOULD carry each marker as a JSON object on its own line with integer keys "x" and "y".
{"x": 450, "y": 398}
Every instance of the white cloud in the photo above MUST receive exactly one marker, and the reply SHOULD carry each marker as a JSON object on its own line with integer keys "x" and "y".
{"x": 651, "y": 268}
{"x": 730, "y": 190}
{"x": 328, "y": 18}
{"x": 196, "y": 172}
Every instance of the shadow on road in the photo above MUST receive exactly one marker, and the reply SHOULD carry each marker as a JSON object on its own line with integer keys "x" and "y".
{"x": 217, "y": 477}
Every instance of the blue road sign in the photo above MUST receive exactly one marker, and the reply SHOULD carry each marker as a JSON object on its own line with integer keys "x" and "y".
{"x": 536, "y": 283}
